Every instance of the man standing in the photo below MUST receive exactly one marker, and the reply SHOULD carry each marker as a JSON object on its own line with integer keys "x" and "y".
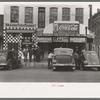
{"x": 50, "y": 56}
{"x": 30, "y": 54}
{"x": 25, "y": 53}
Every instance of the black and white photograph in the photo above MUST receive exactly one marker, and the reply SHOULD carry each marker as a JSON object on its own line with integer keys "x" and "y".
{"x": 50, "y": 42}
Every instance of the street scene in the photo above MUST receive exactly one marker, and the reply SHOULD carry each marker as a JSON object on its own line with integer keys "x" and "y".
{"x": 49, "y": 43}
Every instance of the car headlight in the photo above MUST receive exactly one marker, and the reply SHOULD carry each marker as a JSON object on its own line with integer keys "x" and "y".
{"x": 85, "y": 62}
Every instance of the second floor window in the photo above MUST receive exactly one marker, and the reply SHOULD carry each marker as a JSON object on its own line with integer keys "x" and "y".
{"x": 41, "y": 17}
{"x": 66, "y": 14}
{"x": 28, "y": 14}
{"x": 53, "y": 14}
{"x": 79, "y": 15}
{"x": 14, "y": 18}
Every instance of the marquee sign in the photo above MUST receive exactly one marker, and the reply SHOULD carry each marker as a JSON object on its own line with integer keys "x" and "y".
{"x": 44, "y": 39}
{"x": 66, "y": 28}
{"x": 78, "y": 39}
{"x": 60, "y": 39}
{"x": 20, "y": 26}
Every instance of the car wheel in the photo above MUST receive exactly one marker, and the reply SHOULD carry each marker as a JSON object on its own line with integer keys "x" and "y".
{"x": 19, "y": 64}
{"x": 81, "y": 67}
{"x": 98, "y": 69}
{"x": 10, "y": 67}
{"x": 73, "y": 68}
{"x": 54, "y": 68}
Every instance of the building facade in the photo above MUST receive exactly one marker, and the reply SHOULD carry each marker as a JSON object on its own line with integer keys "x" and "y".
{"x": 39, "y": 16}
{"x": 94, "y": 26}
{"x": 1, "y": 31}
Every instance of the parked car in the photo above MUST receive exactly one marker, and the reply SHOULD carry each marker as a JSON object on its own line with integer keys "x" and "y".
{"x": 9, "y": 59}
{"x": 63, "y": 57}
{"x": 89, "y": 59}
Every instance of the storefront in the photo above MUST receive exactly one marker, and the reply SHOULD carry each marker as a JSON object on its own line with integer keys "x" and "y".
{"x": 65, "y": 34}
{"x": 19, "y": 36}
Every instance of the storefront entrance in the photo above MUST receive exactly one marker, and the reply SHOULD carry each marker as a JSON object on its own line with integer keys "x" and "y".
{"x": 12, "y": 46}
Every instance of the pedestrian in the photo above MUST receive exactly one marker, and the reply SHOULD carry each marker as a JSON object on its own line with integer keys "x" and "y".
{"x": 25, "y": 53}
{"x": 76, "y": 58}
{"x": 30, "y": 54}
{"x": 50, "y": 56}
{"x": 38, "y": 54}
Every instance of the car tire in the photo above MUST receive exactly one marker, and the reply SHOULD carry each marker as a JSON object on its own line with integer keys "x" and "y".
{"x": 19, "y": 64}
{"x": 9, "y": 65}
{"x": 72, "y": 69}
{"x": 98, "y": 69}
{"x": 54, "y": 68}
{"x": 81, "y": 67}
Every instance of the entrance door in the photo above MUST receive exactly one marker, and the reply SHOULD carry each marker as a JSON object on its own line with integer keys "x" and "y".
{"x": 12, "y": 46}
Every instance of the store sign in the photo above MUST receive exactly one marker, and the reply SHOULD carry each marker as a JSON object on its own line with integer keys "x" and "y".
{"x": 20, "y": 26}
{"x": 60, "y": 39}
{"x": 66, "y": 28}
{"x": 75, "y": 39}
{"x": 44, "y": 39}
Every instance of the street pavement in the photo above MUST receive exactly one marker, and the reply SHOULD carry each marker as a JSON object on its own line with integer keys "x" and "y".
{"x": 39, "y": 72}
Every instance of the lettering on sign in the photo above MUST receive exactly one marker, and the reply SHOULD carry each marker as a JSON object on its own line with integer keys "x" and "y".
{"x": 60, "y": 39}
{"x": 77, "y": 39}
{"x": 68, "y": 27}
{"x": 44, "y": 39}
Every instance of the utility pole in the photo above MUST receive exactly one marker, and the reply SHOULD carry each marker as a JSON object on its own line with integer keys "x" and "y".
{"x": 86, "y": 45}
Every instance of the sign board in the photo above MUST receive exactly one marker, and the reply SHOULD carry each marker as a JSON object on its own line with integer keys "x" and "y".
{"x": 14, "y": 26}
{"x": 77, "y": 39}
{"x": 60, "y": 39}
{"x": 44, "y": 39}
{"x": 66, "y": 28}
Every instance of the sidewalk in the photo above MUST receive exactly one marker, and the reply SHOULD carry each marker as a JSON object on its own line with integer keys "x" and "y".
{"x": 42, "y": 64}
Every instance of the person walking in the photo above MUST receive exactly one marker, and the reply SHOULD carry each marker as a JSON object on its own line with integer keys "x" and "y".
{"x": 38, "y": 54}
{"x": 76, "y": 57}
{"x": 25, "y": 53}
{"x": 50, "y": 56}
{"x": 30, "y": 54}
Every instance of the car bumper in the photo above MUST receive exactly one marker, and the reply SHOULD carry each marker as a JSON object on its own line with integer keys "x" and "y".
{"x": 94, "y": 66}
{"x": 62, "y": 65}
{"x": 3, "y": 64}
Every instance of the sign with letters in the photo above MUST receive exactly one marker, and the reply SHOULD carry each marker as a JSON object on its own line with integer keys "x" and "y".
{"x": 60, "y": 39}
{"x": 44, "y": 39}
{"x": 77, "y": 39}
{"x": 66, "y": 28}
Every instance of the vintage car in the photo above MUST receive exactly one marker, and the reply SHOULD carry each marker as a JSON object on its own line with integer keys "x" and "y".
{"x": 9, "y": 59}
{"x": 89, "y": 59}
{"x": 63, "y": 57}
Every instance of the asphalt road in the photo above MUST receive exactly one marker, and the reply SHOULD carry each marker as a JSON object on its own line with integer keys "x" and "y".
{"x": 34, "y": 74}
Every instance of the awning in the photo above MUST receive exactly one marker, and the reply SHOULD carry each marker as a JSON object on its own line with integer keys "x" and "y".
{"x": 82, "y": 29}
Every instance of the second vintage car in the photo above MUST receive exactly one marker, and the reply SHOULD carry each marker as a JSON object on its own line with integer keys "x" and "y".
{"x": 63, "y": 57}
{"x": 89, "y": 59}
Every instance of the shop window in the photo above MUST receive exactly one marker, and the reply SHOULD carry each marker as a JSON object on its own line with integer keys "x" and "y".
{"x": 41, "y": 17}
{"x": 28, "y": 14}
{"x": 14, "y": 18}
{"x": 66, "y": 14}
{"x": 79, "y": 15}
{"x": 53, "y": 14}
